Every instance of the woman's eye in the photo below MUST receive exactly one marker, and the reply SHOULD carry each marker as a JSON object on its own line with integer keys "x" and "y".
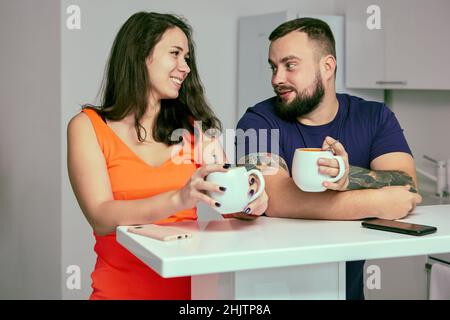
{"x": 175, "y": 53}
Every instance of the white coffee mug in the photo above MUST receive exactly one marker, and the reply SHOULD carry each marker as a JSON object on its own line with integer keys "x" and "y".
{"x": 235, "y": 180}
{"x": 305, "y": 170}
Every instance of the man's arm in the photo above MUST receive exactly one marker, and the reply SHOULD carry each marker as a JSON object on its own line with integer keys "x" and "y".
{"x": 391, "y": 169}
{"x": 361, "y": 178}
{"x": 287, "y": 200}
{"x": 396, "y": 161}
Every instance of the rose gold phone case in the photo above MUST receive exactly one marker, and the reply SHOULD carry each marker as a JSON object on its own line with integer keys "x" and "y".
{"x": 161, "y": 233}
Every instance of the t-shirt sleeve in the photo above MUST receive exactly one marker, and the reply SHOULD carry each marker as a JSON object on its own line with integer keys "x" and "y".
{"x": 255, "y": 134}
{"x": 389, "y": 136}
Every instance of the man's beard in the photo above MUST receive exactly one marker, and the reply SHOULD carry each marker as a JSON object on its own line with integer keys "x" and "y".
{"x": 302, "y": 103}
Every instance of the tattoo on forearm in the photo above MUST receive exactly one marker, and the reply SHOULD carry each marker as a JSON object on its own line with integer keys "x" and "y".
{"x": 266, "y": 162}
{"x": 360, "y": 178}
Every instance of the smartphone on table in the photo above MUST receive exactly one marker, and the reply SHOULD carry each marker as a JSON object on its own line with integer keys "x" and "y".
{"x": 158, "y": 232}
{"x": 398, "y": 226}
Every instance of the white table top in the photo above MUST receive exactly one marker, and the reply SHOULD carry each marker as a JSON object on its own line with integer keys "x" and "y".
{"x": 232, "y": 245}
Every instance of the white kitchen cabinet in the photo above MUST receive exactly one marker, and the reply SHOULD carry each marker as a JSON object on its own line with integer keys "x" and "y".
{"x": 409, "y": 51}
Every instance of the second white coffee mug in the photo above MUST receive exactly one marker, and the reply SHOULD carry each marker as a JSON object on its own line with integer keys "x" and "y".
{"x": 305, "y": 170}
{"x": 235, "y": 180}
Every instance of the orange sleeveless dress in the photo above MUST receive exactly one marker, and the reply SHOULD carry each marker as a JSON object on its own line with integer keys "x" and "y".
{"x": 118, "y": 274}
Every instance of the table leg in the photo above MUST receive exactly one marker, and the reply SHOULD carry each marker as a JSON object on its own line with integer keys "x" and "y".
{"x": 318, "y": 281}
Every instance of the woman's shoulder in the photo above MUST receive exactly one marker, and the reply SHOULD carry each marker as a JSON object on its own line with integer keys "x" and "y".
{"x": 86, "y": 116}
{"x": 78, "y": 121}
{"x": 81, "y": 123}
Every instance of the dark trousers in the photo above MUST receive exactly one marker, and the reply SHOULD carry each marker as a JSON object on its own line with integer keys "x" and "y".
{"x": 354, "y": 280}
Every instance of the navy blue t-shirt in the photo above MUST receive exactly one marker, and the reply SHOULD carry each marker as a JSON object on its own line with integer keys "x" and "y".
{"x": 366, "y": 129}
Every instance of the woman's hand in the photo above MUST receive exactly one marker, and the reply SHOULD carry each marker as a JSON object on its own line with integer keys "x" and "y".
{"x": 207, "y": 148}
{"x": 212, "y": 151}
{"x": 255, "y": 208}
{"x": 196, "y": 188}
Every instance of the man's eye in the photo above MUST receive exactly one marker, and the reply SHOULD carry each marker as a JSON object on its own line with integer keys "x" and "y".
{"x": 290, "y": 65}
{"x": 273, "y": 69}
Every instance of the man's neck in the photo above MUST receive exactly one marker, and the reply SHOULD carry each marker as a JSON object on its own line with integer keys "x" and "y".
{"x": 324, "y": 113}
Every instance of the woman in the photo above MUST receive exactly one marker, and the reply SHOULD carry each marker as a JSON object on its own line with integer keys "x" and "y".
{"x": 119, "y": 154}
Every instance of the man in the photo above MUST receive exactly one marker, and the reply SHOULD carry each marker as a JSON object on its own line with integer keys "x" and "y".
{"x": 305, "y": 113}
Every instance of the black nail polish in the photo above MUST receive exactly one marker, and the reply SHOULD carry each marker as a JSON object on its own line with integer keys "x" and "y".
{"x": 226, "y": 165}
{"x": 252, "y": 192}
{"x": 247, "y": 211}
{"x": 222, "y": 188}
{"x": 217, "y": 204}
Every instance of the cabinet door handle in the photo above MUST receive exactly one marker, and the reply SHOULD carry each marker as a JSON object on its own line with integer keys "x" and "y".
{"x": 392, "y": 82}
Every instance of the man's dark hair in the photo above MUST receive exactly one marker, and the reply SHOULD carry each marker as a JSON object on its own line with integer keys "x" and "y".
{"x": 317, "y": 31}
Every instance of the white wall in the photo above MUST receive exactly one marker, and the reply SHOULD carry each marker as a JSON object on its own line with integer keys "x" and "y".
{"x": 84, "y": 54}
{"x": 30, "y": 193}
{"x": 425, "y": 116}
{"x": 215, "y": 32}
{"x": 39, "y": 235}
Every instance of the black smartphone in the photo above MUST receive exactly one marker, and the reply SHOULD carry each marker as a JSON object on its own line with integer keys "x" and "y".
{"x": 397, "y": 226}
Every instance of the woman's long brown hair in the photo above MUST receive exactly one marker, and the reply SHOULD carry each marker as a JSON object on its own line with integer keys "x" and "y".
{"x": 125, "y": 84}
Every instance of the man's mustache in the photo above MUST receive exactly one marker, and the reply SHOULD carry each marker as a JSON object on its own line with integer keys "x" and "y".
{"x": 283, "y": 88}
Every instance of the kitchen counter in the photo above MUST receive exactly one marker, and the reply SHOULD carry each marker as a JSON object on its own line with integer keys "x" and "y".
{"x": 427, "y": 190}
{"x": 431, "y": 200}
{"x": 274, "y": 258}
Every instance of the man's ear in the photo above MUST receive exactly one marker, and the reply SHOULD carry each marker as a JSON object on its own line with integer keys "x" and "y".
{"x": 329, "y": 66}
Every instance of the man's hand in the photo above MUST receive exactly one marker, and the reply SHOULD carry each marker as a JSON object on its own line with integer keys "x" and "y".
{"x": 331, "y": 167}
{"x": 396, "y": 202}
